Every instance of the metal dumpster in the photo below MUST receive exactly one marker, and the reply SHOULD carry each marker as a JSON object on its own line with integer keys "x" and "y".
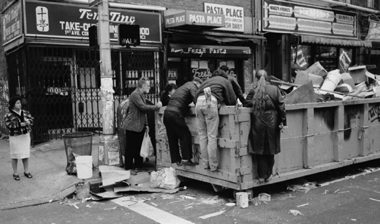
{"x": 319, "y": 137}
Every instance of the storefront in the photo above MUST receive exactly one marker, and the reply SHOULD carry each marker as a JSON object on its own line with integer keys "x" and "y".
{"x": 198, "y": 43}
{"x": 51, "y": 65}
{"x": 304, "y": 34}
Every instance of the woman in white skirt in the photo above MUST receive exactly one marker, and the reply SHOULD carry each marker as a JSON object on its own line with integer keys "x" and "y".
{"x": 19, "y": 123}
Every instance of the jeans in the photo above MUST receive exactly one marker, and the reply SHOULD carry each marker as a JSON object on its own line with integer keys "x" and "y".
{"x": 176, "y": 129}
{"x": 208, "y": 124}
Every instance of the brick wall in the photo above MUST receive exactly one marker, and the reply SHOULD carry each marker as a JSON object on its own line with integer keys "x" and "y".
{"x": 194, "y": 5}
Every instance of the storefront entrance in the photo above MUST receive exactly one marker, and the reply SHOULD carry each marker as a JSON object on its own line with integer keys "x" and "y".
{"x": 62, "y": 85}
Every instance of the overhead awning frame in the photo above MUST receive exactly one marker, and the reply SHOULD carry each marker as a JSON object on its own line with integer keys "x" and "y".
{"x": 334, "y": 41}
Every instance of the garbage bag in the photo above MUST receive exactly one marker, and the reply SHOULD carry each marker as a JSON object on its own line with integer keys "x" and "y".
{"x": 165, "y": 178}
{"x": 146, "y": 146}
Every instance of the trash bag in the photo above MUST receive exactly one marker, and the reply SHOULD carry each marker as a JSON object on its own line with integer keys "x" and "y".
{"x": 165, "y": 178}
{"x": 146, "y": 146}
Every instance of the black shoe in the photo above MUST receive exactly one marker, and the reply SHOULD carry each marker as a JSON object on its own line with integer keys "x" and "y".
{"x": 16, "y": 177}
{"x": 28, "y": 175}
{"x": 188, "y": 163}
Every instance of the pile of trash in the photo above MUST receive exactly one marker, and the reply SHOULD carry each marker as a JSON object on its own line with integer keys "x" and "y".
{"x": 315, "y": 84}
{"x": 116, "y": 181}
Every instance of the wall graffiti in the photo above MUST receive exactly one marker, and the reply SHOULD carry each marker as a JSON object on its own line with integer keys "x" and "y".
{"x": 374, "y": 113}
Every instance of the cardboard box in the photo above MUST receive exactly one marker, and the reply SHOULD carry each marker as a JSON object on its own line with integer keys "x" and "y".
{"x": 358, "y": 74}
{"x": 347, "y": 79}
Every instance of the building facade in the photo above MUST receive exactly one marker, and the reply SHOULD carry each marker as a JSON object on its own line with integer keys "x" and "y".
{"x": 50, "y": 64}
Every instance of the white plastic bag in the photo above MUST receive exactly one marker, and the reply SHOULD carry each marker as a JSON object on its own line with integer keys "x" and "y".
{"x": 165, "y": 178}
{"x": 146, "y": 146}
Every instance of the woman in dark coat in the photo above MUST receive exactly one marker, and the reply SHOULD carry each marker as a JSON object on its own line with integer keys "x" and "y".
{"x": 267, "y": 119}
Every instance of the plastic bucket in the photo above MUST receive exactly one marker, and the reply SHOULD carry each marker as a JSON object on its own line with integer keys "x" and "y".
{"x": 84, "y": 167}
{"x": 332, "y": 80}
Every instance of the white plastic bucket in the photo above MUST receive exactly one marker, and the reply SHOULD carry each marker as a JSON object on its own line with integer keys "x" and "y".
{"x": 84, "y": 167}
{"x": 332, "y": 80}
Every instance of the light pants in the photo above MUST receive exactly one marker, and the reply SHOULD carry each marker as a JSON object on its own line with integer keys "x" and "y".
{"x": 208, "y": 124}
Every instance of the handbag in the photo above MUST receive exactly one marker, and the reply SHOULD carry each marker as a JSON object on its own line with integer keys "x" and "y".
{"x": 146, "y": 146}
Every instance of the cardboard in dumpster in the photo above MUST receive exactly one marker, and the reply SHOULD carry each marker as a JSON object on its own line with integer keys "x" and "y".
{"x": 358, "y": 74}
{"x": 347, "y": 79}
{"x": 303, "y": 78}
{"x": 304, "y": 94}
{"x": 113, "y": 174}
{"x": 316, "y": 69}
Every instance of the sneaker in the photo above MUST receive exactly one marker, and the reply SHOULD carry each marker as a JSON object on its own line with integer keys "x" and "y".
{"x": 268, "y": 178}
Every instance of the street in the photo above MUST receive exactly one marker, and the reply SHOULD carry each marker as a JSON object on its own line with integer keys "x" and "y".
{"x": 347, "y": 195}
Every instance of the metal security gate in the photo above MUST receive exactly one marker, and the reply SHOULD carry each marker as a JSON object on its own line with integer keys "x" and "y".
{"x": 62, "y": 86}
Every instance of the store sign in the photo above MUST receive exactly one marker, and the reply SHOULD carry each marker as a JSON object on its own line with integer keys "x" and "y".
{"x": 58, "y": 20}
{"x": 194, "y": 19}
{"x": 205, "y": 50}
{"x": 172, "y": 74}
{"x": 373, "y": 31}
{"x": 288, "y": 17}
{"x": 12, "y": 23}
{"x": 234, "y": 16}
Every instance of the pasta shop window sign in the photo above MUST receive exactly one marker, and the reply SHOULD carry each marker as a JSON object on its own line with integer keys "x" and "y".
{"x": 202, "y": 73}
{"x": 289, "y": 17}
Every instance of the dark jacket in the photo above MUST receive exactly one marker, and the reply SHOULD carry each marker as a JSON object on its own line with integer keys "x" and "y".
{"x": 13, "y": 122}
{"x": 237, "y": 89}
{"x": 221, "y": 89}
{"x": 265, "y": 132}
{"x": 182, "y": 97}
{"x": 165, "y": 99}
{"x": 136, "y": 117}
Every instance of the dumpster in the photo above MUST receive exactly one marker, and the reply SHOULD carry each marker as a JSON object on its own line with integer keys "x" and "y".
{"x": 76, "y": 144}
{"x": 319, "y": 137}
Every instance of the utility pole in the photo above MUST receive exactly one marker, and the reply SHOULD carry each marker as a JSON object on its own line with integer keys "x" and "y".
{"x": 105, "y": 80}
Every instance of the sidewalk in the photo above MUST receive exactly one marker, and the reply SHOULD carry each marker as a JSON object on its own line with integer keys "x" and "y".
{"x": 50, "y": 181}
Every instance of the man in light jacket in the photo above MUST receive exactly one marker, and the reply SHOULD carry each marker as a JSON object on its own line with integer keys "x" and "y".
{"x": 136, "y": 124}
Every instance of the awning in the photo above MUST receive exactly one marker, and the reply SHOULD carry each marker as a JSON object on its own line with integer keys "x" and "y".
{"x": 335, "y": 41}
{"x": 202, "y": 51}
{"x": 220, "y": 37}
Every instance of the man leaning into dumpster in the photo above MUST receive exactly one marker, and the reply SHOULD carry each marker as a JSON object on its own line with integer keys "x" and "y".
{"x": 212, "y": 94}
{"x": 136, "y": 124}
{"x": 235, "y": 85}
{"x": 174, "y": 121}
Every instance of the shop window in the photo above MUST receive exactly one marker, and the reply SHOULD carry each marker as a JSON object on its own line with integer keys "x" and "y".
{"x": 231, "y": 66}
{"x": 201, "y": 68}
{"x": 87, "y": 78}
{"x": 327, "y": 56}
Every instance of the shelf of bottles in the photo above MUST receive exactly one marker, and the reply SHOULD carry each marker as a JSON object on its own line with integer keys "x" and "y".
{"x": 132, "y": 79}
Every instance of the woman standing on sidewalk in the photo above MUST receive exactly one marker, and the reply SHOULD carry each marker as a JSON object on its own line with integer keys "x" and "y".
{"x": 19, "y": 123}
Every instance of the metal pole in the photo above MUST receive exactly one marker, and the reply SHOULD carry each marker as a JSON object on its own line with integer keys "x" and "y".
{"x": 106, "y": 87}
